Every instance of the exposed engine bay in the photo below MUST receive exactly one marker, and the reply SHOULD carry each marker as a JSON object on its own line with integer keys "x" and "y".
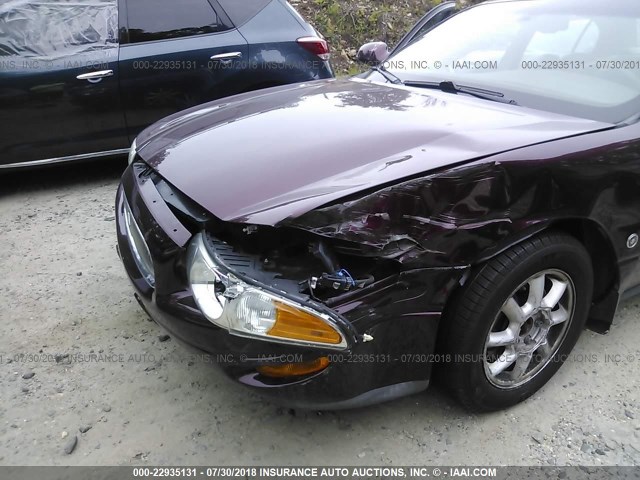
{"x": 286, "y": 258}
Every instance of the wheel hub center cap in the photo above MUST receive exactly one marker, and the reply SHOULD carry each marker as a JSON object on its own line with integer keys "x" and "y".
{"x": 534, "y": 333}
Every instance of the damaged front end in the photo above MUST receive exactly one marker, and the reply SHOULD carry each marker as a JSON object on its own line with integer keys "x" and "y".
{"x": 445, "y": 219}
{"x": 361, "y": 328}
{"x": 230, "y": 296}
{"x": 364, "y": 268}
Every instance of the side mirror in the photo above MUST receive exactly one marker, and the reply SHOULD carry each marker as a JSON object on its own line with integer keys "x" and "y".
{"x": 373, "y": 53}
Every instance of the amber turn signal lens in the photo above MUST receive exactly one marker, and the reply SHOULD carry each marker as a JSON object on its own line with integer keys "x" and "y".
{"x": 298, "y": 324}
{"x": 294, "y": 369}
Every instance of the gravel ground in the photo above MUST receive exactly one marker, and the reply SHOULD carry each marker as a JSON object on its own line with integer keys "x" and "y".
{"x": 64, "y": 292}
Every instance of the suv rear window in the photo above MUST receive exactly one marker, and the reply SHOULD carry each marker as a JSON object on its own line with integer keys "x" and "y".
{"x": 240, "y": 11}
{"x": 151, "y": 20}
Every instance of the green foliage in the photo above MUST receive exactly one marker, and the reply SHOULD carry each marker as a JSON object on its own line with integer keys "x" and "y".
{"x": 347, "y": 24}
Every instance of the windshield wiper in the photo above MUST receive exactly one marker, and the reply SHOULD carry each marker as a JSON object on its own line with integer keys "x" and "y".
{"x": 450, "y": 87}
{"x": 387, "y": 74}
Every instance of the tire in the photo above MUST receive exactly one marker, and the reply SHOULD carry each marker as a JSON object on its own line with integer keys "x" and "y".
{"x": 491, "y": 330}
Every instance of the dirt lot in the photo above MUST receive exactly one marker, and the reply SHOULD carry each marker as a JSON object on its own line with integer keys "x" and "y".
{"x": 63, "y": 291}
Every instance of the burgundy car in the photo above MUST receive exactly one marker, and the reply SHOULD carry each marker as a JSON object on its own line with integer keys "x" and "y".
{"x": 465, "y": 208}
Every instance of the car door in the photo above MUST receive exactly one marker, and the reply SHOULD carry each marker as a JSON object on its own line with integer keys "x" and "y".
{"x": 59, "y": 95}
{"x": 432, "y": 18}
{"x": 173, "y": 56}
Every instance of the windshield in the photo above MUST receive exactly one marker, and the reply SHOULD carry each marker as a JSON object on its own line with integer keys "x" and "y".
{"x": 579, "y": 58}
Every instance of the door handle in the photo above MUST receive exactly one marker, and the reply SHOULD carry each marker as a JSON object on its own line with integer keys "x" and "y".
{"x": 226, "y": 57}
{"x": 95, "y": 77}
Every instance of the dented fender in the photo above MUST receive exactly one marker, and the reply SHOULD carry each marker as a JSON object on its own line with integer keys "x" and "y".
{"x": 462, "y": 216}
{"x": 451, "y": 218}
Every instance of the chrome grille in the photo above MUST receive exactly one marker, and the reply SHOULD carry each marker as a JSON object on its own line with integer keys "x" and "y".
{"x": 139, "y": 248}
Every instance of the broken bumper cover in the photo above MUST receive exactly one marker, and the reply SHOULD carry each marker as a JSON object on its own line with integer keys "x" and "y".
{"x": 400, "y": 314}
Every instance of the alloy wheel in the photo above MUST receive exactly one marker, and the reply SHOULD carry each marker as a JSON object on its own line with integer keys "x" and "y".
{"x": 529, "y": 329}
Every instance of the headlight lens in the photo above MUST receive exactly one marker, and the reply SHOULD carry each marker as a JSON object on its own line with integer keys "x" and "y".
{"x": 132, "y": 151}
{"x": 247, "y": 310}
{"x": 256, "y": 312}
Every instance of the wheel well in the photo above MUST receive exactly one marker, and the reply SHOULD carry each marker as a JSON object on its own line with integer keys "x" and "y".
{"x": 605, "y": 272}
{"x": 600, "y": 249}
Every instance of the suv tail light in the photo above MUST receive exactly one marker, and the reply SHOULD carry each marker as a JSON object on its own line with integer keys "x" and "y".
{"x": 315, "y": 45}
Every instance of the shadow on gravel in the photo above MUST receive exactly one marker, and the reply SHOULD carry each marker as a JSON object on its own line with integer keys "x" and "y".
{"x": 434, "y": 411}
{"x": 65, "y": 175}
{"x": 434, "y": 402}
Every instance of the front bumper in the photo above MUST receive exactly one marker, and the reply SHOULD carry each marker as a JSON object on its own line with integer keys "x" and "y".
{"x": 401, "y": 314}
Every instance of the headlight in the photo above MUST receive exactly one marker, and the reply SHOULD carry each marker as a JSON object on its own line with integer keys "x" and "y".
{"x": 132, "y": 151}
{"x": 248, "y": 310}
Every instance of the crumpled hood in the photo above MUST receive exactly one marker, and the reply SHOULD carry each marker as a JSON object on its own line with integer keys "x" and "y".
{"x": 266, "y": 156}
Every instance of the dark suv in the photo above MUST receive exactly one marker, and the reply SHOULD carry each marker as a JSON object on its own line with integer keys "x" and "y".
{"x": 82, "y": 80}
